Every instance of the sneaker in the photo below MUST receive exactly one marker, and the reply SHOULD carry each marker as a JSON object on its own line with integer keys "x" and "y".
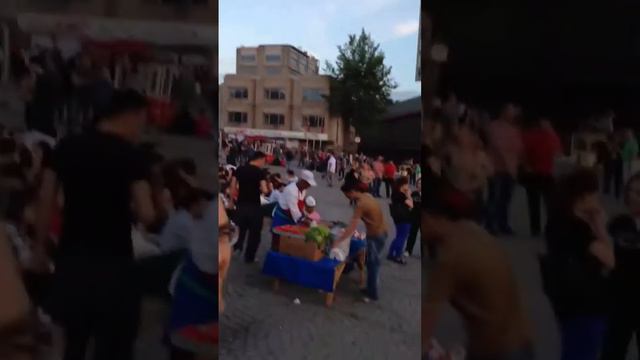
{"x": 407, "y": 254}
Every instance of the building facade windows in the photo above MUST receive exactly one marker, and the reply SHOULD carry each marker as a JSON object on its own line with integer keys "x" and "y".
{"x": 312, "y": 94}
{"x": 248, "y": 58}
{"x": 313, "y": 121}
{"x": 236, "y": 117}
{"x": 239, "y": 93}
{"x": 273, "y": 70}
{"x": 273, "y": 58}
{"x": 273, "y": 120}
{"x": 274, "y": 94}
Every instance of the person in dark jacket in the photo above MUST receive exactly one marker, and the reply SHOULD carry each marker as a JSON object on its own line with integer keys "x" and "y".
{"x": 415, "y": 218}
{"x": 624, "y": 318}
{"x": 575, "y": 267}
{"x": 401, "y": 207}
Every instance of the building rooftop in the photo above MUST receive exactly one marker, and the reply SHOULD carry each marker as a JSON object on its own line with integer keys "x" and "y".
{"x": 299, "y": 50}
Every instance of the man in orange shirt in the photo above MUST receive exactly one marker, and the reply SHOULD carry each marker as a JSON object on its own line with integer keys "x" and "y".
{"x": 541, "y": 148}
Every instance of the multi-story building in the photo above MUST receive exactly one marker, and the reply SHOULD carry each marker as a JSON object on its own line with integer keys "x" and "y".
{"x": 278, "y": 93}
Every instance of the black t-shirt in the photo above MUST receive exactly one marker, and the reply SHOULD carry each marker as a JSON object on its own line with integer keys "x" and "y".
{"x": 400, "y": 212}
{"x": 626, "y": 238}
{"x": 249, "y": 177}
{"x": 96, "y": 171}
{"x": 580, "y": 286}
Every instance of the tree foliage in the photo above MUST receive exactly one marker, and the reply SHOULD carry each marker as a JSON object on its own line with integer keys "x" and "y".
{"x": 361, "y": 83}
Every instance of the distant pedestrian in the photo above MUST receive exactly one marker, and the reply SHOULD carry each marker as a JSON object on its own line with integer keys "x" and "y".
{"x": 505, "y": 149}
{"x": 401, "y": 208}
{"x": 541, "y": 149}
{"x": 331, "y": 169}
{"x": 378, "y": 170}
{"x": 390, "y": 172}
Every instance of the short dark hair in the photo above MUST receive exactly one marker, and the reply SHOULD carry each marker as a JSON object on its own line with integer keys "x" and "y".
{"x": 290, "y": 172}
{"x": 352, "y": 185}
{"x": 257, "y": 155}
{"x": 122, "y": 102}
{"x": 400, "y": 182}
{"x": 574, "y": 186}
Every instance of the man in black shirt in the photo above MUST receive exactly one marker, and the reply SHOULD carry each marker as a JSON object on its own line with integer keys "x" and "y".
{"x": 103, "y": 177}
{"x": 251, "y": 182}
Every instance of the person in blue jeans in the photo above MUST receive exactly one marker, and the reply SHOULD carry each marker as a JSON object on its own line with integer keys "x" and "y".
{"x": 401, "y": 206}
{"x": 574, "y": 270}
{"x": 369, "y": 211}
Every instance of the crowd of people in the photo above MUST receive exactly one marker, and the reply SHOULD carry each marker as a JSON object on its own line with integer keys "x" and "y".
{"x": 251, "y": 191}
{"x": 66, "y": 94}
{"x": 471, "y": 170}
{"x": 93, "y": 223}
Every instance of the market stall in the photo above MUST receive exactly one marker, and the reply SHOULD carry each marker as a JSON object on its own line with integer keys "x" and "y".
{"x": 305, "y": 259}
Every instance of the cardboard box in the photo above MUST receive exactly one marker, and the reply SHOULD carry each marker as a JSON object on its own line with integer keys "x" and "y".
{"x": 299, "y": 248}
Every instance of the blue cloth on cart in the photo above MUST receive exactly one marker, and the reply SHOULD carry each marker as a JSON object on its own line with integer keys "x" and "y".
{"x": 355, "y": 247}
{"x": 312, "y": 274}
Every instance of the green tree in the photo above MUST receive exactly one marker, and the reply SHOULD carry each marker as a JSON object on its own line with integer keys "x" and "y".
{"x": 361, "y": 83}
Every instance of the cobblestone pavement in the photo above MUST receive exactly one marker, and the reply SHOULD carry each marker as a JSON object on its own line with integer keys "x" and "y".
{"x": 523, "y": 251}
{"x": 259, "y": 323}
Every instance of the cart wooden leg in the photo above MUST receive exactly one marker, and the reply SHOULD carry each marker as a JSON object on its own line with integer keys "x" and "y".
{"x": 336, "y": 278}
{"x": 329, "y": 299}
{"x": 276, "y": 284}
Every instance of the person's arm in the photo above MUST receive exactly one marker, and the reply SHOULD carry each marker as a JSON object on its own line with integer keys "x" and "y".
{"x": 47, "y": 205}
{"x": 353, "y": 226}
{"x": 142, "y": 202}
{"x": 602, "y": 248}
{"x": 264, "y": 189}
{"x": 439, "y": 287}
{"x": 15, "y": 323}
{"x": 292, "y": 203}
{"x": 224, "y": 251}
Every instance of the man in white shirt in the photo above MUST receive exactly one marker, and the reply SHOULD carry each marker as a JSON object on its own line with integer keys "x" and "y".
{"x": 291, "y": 204}
{"x": 331, "y": 169}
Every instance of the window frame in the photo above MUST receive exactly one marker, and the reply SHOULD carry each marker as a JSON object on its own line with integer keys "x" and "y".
{"x": 268, "y": 117}
{"x": 244, "y": 117}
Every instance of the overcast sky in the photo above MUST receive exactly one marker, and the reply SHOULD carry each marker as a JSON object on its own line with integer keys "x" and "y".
{"x": 320, "y": 26}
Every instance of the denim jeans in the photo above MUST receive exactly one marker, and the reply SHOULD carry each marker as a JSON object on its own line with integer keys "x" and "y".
{"x": 375, "y": 244}
{"x": 582, "y": 337}
{"x": 501, "y": 188}
{"x": 397, "y": 246}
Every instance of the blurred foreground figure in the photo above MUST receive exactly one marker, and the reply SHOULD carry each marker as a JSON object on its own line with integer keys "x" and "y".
{"x": 579, "y": 256}
{"x": 103, "y": 177}
{"x": 471, "y": 272}
{"x": 624, "y": 318}
{"x": 16, "y": 342}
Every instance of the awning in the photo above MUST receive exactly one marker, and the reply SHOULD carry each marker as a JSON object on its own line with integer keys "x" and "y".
{"x": 277, "y": 134}
{"x": 104, "y": 29}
